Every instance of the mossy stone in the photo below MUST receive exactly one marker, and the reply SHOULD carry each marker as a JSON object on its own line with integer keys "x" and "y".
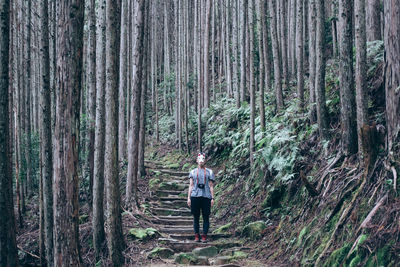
{"x": 158, "y": 252}
{"x": 222, "y": 229}
{"x": 173, "y": 166}
{"x": 185, "y": 258}
{"x": 143, "y": 234}
{"x": 254, "y": 230}
{"x": 239, "y": 254}
{"x": 206, "y": 251}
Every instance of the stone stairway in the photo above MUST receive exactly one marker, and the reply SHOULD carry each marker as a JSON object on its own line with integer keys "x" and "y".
{"x": 172, "y": 218}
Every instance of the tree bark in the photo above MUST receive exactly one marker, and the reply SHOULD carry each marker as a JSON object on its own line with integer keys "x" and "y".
{"x": 261, "y": 84}
{"x": 66, "y": 135}
{"x": 45, "y": 134}
{"x": 206, "y": 73}
{"x": 361, "y": 71}
{"x": 276, "y": 55}
{"x": 8, "y": 248}
{"x": 252, "y": 82}
{"x": 311, "y": 59}
{"x": 266, "y": 46}
{"x": 322, "y": 113}
{"x": 283, "y": 41}
{"x": 347, "y": 97}
{"x": 137, "y": 57}
{"x": 98, "y": 171}
{"x": 243, "y": 18}
{"x": 392, "y": 73}
{"x": 299, "y": 53}
{"x": 91, "y": 96}
{"x": 115, "y": 238}
{"x": 373, "y": 20}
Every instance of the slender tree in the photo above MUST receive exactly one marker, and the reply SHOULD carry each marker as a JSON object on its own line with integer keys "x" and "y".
{"x": 252, "y": 80}
{"x": 243, "y": 18}
{"x": 115, "y": 238}
{"x": 45, "y": 134}
{"x": 206, "y": 54}
{"x": 361, "y": 71}
{"x": 311, "y": 59}
{"x": 299, "y": 53}
{"x": 123, "y": 81}
{"x": 392, "y": 73}
{"x": 276, "y": 55}
{"x": 133, "y": 141}
{"x": 91, "y": 97}
{"x": 373, "y": 19}
{"x": 98, "y": 172}
{"x": 322, "y": 114}
{"x": 347, "y": 96}
{"x": 8, "y": 249}
{"x": 66, "y": 134}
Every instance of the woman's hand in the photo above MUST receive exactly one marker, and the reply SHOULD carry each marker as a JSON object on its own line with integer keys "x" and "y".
{"x": 212, "y": 202}
{"x": 189, "y": 202}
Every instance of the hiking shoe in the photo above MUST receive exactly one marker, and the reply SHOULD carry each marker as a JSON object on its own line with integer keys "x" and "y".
{"x": 203, "y": 238}
{"x": 196, "y": 238}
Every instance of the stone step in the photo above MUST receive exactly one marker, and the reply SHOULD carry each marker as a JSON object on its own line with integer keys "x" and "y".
{"x": 166, "y": 193}
{"x": 179, "y": 217}
{"x": 172, "y": 222}
{"x": 190, "y": 236}
{"x": 172, "y": 186}
{"x": 178, "y": 230}
{"x": 172, "y": 198}
{"x": 170, "y": 172}
{"x": 190, "y": 245}
{"x": 170, "y": 204}
{"x": 176, "y": 212}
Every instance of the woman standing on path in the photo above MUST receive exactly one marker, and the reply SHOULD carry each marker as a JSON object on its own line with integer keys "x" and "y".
{"x": 201, "y": 196}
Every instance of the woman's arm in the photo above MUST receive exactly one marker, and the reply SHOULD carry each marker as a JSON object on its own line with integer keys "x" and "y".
{"x": 211, "y": 184}
{"x": 190, "y": 192}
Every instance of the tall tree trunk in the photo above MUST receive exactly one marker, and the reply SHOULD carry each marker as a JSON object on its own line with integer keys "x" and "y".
{"x": 28, "y": 154}
{"x": 91, "y": 96}
{"x": 98, "y": 171}
{"x": 45, "y": 134}
{"x": 292, "y": 45}
{"x": 133, "y": 141}
{"x": 261, "y": 84}
{"x": 265, "y": 44}
{"x": 392, "y": 73}
{"x": 66, "y": 135}
{"x": 299, "y": 53}
{"x": 123, "y": 81}
{"x": 166, "y": 58}
{"x": 115, "y": 238}
{"x": 8, "y": 249}
{"x": 243, "y": 18}
{"x": 373, "y": 19}
{"x": 320, "y": 99}
{"x": 347, "y": 97}
{"x": 361, "y": 71}
{"x": 206, "y": 55}
{"x": 334, "y": 20}
{"x": 311, "y": 59}
{"x": 276, "y": 55}
{"x": 252, "y": 80}
{"x": 283, "y": 41}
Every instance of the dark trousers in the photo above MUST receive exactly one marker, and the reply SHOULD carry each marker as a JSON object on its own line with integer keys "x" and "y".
{"x": 203, "y": 204}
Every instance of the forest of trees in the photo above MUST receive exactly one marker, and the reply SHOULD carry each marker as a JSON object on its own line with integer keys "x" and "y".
{"x": 83, "y": 85}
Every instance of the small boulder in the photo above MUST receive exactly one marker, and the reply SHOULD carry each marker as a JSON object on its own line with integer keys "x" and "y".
{"x": 254, "y": 230}
{"x": 206, "y": 251}
{"x": 185, "y": 258}
{"x": 158, "y": 252}
{"x": 222, "y": 260}
{"x": 143, "y": 234}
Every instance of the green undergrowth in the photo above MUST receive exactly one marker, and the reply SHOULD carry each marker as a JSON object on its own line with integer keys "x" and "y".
{"x": 298, "y": 227}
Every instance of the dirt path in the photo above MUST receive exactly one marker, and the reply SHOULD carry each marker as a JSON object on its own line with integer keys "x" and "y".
{"x": 174, "y": 221}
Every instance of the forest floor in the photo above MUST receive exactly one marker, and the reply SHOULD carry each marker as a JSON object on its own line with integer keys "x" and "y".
{"x": 159, "y": 233}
